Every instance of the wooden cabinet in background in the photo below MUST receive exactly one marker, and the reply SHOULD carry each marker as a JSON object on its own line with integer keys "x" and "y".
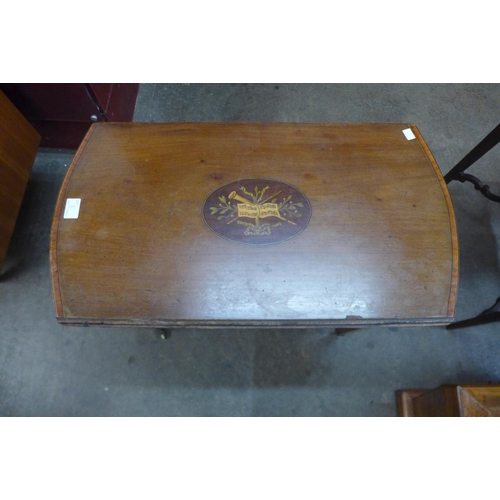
{"x": 18, "y": 147}
{"x": 62, "y": 113}
{"x": 450, "y": 401}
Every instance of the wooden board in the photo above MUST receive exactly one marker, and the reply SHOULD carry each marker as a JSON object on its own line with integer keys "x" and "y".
{"x": 233, "y": 224}
{"x": 450, "y": 401}
{"x": 62, "y": 113}
{"x": 18, "y": 146}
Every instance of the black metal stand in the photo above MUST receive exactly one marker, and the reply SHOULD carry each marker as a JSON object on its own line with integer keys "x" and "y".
{"x": 457, "y": 174}
{"x": 488, "y": 316}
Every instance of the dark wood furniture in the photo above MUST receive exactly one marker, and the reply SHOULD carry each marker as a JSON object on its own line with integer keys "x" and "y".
{"x": 258, "y": 225}
{"x": 18, "y": 147}
{"x": 450, "y": 401}
{"x": 62, "y": 113}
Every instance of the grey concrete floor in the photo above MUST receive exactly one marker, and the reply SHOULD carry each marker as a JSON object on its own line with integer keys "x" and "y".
{"x": 50, "y": 370}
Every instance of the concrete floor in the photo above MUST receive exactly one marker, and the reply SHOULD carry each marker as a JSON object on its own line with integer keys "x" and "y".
{"x": 51, "y": 370}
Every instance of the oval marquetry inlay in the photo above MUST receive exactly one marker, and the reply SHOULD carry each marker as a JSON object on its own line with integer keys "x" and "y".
{"x": 257, "y": 211}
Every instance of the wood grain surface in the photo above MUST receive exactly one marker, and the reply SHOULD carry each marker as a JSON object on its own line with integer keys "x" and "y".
{"x": 450, "y": 401}
{"x": 380, "y": 246}
{"x": 18, "y": 146}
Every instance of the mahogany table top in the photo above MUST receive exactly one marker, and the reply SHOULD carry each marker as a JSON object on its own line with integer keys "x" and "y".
{"x": 254, "y": 224}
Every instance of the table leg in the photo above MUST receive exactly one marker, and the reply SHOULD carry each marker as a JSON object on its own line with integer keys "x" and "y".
{"x": 488, "y": 316}
{"x": 165, "y": 333}
{"x": 344, "y": 331}
{"x": 457, "y": 172}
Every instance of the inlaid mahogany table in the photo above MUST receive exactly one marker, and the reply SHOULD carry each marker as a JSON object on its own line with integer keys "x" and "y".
{"x": 254, "y": 225}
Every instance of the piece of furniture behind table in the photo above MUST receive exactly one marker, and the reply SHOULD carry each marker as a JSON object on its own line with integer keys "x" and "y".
{"x": 62, "y": 113}
{"x": 450, "y": 401}
{"x": 18, "y": 147}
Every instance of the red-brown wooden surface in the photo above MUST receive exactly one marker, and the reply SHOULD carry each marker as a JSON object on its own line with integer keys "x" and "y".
{"x": 380, "y": 246}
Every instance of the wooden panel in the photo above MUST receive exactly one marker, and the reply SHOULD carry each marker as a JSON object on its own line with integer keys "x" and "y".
{"x": 440, "y": 402}
{"x": 450, "y": 401}
{"x": 61, "y": 112}
{"x": 18, "y": 147}
{"x": 52, "y": 101}
{"x": 121, "y": 104}
{"x": 480, "y": 401}
{"x": 102, "y": 93}
{"x": 380, "y": 246}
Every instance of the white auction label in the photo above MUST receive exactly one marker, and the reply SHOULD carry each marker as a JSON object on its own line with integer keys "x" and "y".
{"x": 72, "y": 208}
{"x": 408, "y": 132}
